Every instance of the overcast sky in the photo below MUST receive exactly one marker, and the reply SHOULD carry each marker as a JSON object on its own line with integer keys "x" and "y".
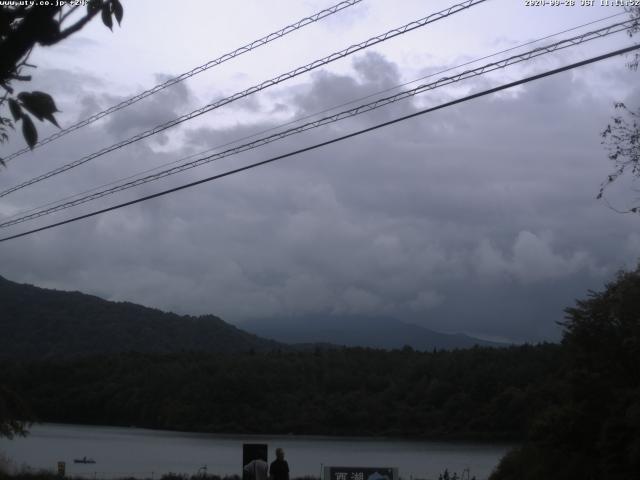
{"x": 481, "y": 218}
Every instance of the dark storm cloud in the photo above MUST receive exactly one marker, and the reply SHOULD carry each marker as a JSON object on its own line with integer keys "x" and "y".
{"x": 373, "y": 74}
{"x": 480, "y": 218}
{"x": 154, "y": 110}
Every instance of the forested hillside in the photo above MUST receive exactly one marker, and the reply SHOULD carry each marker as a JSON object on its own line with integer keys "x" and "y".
{"x": 476, "y": 393}
{"x": 43, "y": 323}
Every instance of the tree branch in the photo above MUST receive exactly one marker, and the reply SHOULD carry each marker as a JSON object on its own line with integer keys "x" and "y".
{"x": 23, "y": 38}
{"x": 63, "y": 17}
{"x": 76, "y": 26}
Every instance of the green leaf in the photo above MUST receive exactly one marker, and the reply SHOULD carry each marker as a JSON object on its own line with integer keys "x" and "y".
{"x": 106, "y": 16}
{"x": 14, "y": 108}
{"x": 29, "y": 131}
{"x": 40, "y": 104}
{"x": 118, "y": 11}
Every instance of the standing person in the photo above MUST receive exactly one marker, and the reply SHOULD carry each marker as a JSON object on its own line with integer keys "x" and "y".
{"x": 256, "y": 469}
{"x": 279, "y": 469}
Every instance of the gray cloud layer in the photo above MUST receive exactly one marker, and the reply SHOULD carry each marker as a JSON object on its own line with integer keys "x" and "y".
{"x": 480, "y": 218}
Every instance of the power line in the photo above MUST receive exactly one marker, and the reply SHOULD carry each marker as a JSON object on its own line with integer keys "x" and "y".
{"x": 24, "y": 213}
{"x": 42, "y": 210}
{"x": 334, "y": 140}
{"x": 379, "y": 92}
{"x": 596, "y": 34}
{"x": 183, "y": 76}
{"x": 268, "y": 83}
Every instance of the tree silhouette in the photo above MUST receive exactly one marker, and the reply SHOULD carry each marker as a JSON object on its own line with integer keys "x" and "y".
{"x": 15, "y": 415}
{"x": 593, "y": 431}
{"x": 23, "y": 27}
{"x": 622, "y": 135}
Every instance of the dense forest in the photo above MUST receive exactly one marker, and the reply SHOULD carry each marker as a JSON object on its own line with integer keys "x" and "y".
{"x": 475, "y": 393}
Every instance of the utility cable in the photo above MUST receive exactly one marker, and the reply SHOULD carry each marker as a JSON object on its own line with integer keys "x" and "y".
{"x": 306, "y": 117}
{"x": 332, "y": 141}
{"x": 526, "y": 56}
{"x": 183, "y": 76}
{"x": 274, "y": 81}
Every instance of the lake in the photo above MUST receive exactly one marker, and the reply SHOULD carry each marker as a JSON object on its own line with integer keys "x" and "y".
{"x": 150, "y": 453}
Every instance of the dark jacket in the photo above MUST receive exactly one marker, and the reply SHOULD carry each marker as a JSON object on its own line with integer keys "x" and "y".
{"x": 279, "y": 470}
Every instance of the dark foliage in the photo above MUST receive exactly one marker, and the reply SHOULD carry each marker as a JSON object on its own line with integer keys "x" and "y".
{"x": 23, "y": 26}
{"x": 454, "y": 476}
{"x": 14, "y": 414}
{"x": 593, "y": 431}
{"x": 47, "y": 475}
{"x": 622, "y": 140}
{"x": 41, "y": 475}
{"x": 480, "y": 393}
{"x": 622, "y": 135}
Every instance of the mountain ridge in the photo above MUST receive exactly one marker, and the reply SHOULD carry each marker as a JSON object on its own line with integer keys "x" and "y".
{"x": 360, "y": 331}
{"x": 41, "y": 323}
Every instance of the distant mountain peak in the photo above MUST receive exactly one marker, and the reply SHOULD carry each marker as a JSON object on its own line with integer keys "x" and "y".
{"x": 362, "y": 331}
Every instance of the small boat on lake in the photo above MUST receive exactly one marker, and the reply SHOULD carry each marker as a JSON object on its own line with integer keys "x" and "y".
{"x": 84, "y": 460}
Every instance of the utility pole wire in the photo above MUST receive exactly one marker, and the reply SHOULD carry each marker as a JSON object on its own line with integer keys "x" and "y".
{"x": 526, "y": 56}
{"x": 299, "y": 119}
{"x": 268, "y": 83}
{"x": 172, "y": 81}
{"x": 334, "y": 140}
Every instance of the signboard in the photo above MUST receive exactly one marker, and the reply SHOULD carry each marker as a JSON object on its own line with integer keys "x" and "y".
{"x": 251, "y": 452}
{"x": 359, "y": 473}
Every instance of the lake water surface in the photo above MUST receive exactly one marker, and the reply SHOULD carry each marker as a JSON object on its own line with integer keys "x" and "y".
{"x": 150, "y": 453}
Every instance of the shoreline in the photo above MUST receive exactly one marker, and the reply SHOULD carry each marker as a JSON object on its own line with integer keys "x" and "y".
{"x": 135, "y": 453}
{"x": 450, "y": 439}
